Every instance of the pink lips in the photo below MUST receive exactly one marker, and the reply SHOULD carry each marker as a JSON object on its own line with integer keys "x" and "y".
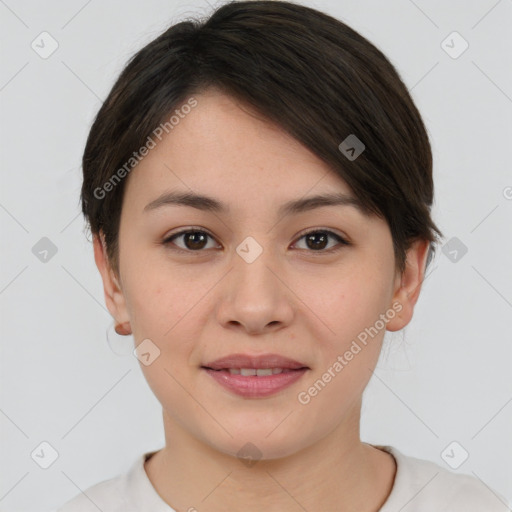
{"x": 247, "y": 361}
{"x": 255, "y": 386}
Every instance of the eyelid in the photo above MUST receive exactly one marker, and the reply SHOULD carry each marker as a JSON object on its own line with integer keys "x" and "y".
{"x": 330, "y": 231}
{"x": 187, "y": 229}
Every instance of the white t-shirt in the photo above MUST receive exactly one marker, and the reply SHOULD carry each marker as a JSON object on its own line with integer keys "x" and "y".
{"x": 419, "y": 486}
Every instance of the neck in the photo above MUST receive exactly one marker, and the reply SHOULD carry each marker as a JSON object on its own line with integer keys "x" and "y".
{"x": 338, "y": 472}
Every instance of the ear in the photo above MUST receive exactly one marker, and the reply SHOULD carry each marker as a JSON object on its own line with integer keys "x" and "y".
{"x": 114, "y": 297}
{"x": 408, "y": 285}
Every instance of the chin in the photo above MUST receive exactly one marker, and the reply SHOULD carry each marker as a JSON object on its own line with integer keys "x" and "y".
{"x": 251, "y": 445}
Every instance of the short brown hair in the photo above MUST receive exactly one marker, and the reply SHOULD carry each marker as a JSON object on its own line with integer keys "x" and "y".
{"x": 306, "y": 71}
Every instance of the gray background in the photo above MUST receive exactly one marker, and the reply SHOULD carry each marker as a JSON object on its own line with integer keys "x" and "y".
{"x": 445, "y": 378}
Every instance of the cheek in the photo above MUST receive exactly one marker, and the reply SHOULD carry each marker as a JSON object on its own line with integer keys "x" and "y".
{"x": 163, "y": 305}
{"x": 162, "y": 313}
{"x": 157, "y": 295}
{"x": 351, "y": 307}
{"x": 348, "y": 355}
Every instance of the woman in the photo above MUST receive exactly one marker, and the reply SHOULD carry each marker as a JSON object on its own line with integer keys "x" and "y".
{"x": 259, "y": 186}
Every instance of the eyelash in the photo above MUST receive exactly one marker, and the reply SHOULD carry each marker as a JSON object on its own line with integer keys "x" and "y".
{"x": 341, "y": 240}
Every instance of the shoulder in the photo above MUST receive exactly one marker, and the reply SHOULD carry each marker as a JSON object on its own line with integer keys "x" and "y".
{"x": 421, "y": 486}
{"x": 112, "y": 495}
{"x": 107, "y": 495}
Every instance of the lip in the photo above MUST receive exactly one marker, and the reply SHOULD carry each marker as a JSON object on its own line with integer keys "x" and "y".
{"x": 254, "y": 386}
{"x": 255, "y": 361}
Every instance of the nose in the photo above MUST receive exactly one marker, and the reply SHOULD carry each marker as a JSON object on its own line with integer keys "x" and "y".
{"x": 254, "y": 296}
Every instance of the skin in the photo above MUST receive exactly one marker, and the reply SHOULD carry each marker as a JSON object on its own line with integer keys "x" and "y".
{"x": 293, "y": 300}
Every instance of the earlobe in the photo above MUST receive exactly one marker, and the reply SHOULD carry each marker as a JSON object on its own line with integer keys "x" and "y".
{"x": 408, "y": 284}
{"x": 113, "y": 293}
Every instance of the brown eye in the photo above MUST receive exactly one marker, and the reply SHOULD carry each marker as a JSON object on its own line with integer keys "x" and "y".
{"x": 317, "y": 241}
{"x": 193, "y": 240}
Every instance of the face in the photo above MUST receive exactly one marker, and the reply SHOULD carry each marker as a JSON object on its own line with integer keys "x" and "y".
{"x": 202, "y": 284}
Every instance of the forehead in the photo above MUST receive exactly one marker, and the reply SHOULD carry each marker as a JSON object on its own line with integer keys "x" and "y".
{"x": 224, "y": 148}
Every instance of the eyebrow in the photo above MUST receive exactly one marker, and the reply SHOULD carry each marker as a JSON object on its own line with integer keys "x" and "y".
{"x": 210, "y": 204}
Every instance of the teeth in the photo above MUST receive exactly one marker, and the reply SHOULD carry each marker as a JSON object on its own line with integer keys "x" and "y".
{"x": 260, "y": 372}
{"x": 266, "y": 371}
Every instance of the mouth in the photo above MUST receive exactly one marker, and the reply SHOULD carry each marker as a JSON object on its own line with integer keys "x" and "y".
{"x": 255, "y": 372}
{"x": 255, "y": 376}
{"x": 255, "y": 362}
